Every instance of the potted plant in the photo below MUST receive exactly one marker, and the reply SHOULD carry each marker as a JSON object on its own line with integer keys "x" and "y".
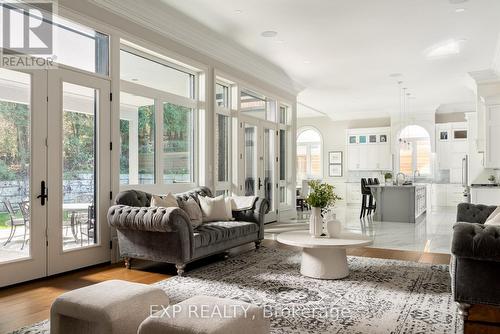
{"x": 388, "y": 178}
{"x": 321, "y": 195}
{"x": 492, "y": 179}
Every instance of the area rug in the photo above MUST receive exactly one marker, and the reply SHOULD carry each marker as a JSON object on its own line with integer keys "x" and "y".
{"x": 379, "y": 296}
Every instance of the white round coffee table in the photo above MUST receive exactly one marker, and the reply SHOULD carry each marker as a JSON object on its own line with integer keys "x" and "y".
{"x": 323, "y": 257}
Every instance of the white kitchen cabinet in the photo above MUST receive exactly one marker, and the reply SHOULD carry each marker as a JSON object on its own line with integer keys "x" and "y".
{"x": 353, "y": 157}
{"x": 454, "y": 194}
{"x": 364, "y": 155}
{"x": 438, "y": 194}
{"x": 446, "y": 194}
{"x": 353, "y": 193}
{"x": 492, "y": 153}
{"x": 486, "y": 195}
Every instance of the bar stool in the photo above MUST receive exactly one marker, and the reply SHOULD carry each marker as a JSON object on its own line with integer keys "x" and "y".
{"x": 371, "y": 205}
{"x": 365, "y": 194}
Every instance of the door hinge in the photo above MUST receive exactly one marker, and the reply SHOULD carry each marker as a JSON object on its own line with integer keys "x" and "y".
{"x": 111, "y": 96}
{"x": 47, "y": 243}
{"x": 277, "y": 159}
{"x": 110, "y": 195}
{"x": 241, "y": 125}
{"x": 111, "y": 146}
{"x": 277, "y": 186}
{"x": 47, "y": 99}
{"x": 110, "y": 244}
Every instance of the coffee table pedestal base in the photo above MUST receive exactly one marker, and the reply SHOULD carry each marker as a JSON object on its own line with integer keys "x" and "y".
{"x": 324, "y": 263}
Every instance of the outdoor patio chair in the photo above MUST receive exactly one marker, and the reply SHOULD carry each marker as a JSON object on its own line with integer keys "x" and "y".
{"x": 15, "y": 221}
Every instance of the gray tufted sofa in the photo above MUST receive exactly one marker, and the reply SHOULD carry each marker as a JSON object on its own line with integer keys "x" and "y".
{"x": 475, "y": 261}
{"x": 166, "y": 234}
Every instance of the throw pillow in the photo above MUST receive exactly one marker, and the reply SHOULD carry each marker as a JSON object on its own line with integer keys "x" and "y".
{"x": 166, "y": 201}
{"x": 193, "y": 211}
{"x": 229, "y": 208}
{"x": 213, "y": 209}
{"x": 494, "y": 218}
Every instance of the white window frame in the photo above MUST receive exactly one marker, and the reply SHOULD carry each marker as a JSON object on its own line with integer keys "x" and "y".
{"x": 227, "y": 112}
{"x": 160, "y": 97}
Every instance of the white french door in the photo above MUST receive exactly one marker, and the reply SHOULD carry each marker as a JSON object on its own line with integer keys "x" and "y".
{"x": 23, "y": 158}
{"x": 78, "y": 170}
{"x": 54, "y": 172}
{"x": 260, "y": 161}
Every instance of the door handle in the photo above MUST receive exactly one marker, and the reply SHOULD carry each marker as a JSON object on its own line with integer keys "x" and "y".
{"x": 260, "y": 183}
{"x": 43, "y": 193}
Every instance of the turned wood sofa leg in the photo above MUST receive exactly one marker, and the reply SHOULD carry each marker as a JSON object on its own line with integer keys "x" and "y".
{"x": 257, "y": 244}
{"x": 127, "y": 262}
{"x": 463, "y": 310}
{"x": 180, "y": 269}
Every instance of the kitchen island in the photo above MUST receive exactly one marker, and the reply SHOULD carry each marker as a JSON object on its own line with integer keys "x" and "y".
{"x": 405, "y": 204}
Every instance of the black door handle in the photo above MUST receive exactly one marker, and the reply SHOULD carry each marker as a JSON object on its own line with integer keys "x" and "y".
{"x": 260, "y": 184}
{"x": 43, "y": 193}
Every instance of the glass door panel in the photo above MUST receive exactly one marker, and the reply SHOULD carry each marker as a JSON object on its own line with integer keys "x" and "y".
{"x": 22, "y": 218}
{"x": 268, "y": 163}
{"x": 79, "y": 178}
{"x": 79, "y": 166}
{"x": 250, "y": 149}
{"x": 177, "y": 143}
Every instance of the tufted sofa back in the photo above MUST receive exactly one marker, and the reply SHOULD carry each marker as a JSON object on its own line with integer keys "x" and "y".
{"x": 140, "y": 198}
{"x": 474, "y": 213}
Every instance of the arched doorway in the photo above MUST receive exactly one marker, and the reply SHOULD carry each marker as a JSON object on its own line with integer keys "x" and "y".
{"x": 309, "y": 148}
{"x": 415, "y": 151}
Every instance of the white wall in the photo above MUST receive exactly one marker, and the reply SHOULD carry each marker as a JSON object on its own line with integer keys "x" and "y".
{"x": 333, "y": 135}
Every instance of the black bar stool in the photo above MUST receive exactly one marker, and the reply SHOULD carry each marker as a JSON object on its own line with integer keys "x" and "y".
{"x": 371, "y": 205}
{"x": 365, "y": 193}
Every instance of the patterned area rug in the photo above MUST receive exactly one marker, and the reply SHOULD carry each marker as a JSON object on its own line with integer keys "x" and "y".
{"x": 379, "y": 296}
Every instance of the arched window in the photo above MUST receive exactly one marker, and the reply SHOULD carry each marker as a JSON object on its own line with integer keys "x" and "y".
{"x": 308, "y": 154}
{"x": 415, "y": 151}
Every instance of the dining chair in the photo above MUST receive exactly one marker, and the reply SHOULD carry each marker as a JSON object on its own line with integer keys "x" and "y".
{"x": 15, "y": 221}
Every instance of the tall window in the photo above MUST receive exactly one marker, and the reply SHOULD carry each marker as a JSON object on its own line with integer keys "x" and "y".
{"x": 157, "y": 119}
{"x": 223, "y": 137}
{"x": 415, "y": 151}
{"x": 308, "y": 154}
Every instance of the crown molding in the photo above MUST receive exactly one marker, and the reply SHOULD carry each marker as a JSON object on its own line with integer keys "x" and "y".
{"x": 176, "y": 26}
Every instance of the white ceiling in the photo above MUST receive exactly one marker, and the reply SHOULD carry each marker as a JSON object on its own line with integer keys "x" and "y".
{"x": 344, "y": 51}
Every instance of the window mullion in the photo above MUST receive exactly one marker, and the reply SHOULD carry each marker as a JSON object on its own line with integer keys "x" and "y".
{"x": 159, "y": 141}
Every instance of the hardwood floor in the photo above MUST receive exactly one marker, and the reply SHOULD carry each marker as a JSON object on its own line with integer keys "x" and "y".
{"x": 30, "y": 302}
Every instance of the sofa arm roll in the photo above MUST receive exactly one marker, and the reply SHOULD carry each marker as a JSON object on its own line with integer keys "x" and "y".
{"x": 476, "y": 241}
{"x": 152, "y": 219}
{"x": 254, "y": 215}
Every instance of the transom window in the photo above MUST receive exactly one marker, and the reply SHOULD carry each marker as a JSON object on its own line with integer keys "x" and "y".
{"x": 157, "y": 121}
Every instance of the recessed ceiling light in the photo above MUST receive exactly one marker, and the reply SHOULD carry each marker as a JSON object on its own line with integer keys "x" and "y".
{"x": 396, "y": 75}
{"x": 269, "y": 33}
{"x": 134, "y": 79}
{"x": 307, "y": 61}
{"x": 238, "y": 11}
{"x": 447, "y": 48}
{"x": 280, "y": 41}
{"x": 460, "y": 10}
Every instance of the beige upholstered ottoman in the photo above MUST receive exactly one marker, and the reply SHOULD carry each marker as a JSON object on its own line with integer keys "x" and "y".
{"x": 111, "y": 307}
{"x": 207, "y": 315}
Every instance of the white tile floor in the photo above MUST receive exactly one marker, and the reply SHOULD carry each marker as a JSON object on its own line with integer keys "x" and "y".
{"x": 433, "y": 234}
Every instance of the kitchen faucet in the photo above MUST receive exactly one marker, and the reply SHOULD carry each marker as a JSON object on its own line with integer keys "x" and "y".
{"x": 397, "y": 178}
{"x": 416, "y": 173}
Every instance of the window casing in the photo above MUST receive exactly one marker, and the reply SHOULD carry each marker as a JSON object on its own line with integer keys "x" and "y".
{"x": 174, "y": 120}
{"x": 223, "y": 137}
